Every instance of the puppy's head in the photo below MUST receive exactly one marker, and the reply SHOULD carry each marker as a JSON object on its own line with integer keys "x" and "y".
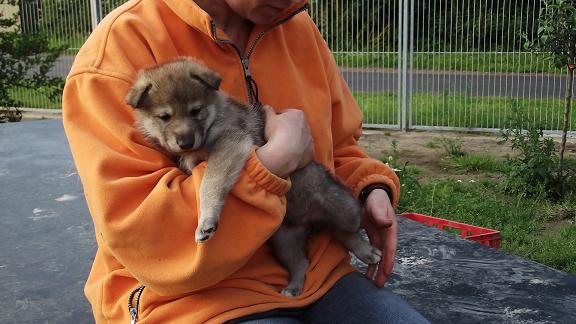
{"x": 176, "y": 104}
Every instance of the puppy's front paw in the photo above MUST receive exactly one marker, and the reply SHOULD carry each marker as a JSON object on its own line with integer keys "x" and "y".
{"x": 206, "y": 230}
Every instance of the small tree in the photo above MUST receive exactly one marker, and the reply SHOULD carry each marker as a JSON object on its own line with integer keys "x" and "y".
{"x": 533, "y": 171}
{"x": 557, "y": 36}
{"x": 25, "y": 62}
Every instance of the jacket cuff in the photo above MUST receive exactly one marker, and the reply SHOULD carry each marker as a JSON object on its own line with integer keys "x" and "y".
{"x": 378, "y": 179}
{"x": 367, "y": 190}
{"x": 264, "y": 178}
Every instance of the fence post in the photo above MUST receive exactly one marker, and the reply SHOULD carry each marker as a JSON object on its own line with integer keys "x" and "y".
{"x": 411, "y": 66}
{"x": 95, "y": 12}
{"x": 400, "y": 62}
{"x": 404, "y": 71}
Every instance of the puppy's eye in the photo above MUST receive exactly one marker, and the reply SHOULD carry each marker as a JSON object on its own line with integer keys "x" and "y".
{"x": 194, "y": 111}
{"x": 164, "y": 117}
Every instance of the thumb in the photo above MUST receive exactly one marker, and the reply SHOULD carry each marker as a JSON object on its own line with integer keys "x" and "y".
{"x": 379, "y": 209}
{"x": 269, "y": 111}
{"x": 380, "y": 218}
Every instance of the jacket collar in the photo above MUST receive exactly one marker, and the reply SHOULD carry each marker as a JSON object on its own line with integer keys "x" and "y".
{"x": 199, "y": 19}
{"x": 192, "y": 14}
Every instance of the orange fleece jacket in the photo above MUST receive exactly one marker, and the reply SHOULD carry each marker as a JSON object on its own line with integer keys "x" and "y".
{"x": 145, "y": 209}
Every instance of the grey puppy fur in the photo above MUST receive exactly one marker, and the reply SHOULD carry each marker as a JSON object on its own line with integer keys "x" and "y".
{"x": 178, "y": 107}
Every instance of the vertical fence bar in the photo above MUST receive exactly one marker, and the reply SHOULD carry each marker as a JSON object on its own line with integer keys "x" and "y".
{"x": 400, "y": 46}
{"x": 405, "y": 15}
{"x": 411, "y": 66}
{"x": 95, "y": 12}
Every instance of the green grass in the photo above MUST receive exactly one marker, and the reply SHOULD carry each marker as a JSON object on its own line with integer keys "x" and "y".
{"x": 431, "y": 145}
{"x": 459, "y": 110}
{"x": 557, "y": 249}
{"x": 34, "y": 99}
{"x": 378, "y": 108}
{"x": 471, "y": 62}
{"x": 476, "y": 162}
{"x": 521, "y": 221}
{"x": 453, "y": 147}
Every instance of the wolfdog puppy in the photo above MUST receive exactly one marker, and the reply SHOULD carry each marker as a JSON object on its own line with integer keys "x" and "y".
{"x": 178, "y": 107}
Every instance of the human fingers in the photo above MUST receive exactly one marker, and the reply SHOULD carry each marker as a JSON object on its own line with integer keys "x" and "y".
{"x": 388, "y": 249}
{"x": 299, "y": 137}
{"x": 381, "y": 226}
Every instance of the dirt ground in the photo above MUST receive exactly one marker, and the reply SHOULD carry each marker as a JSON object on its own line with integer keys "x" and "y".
{"x": 424, "y": 149}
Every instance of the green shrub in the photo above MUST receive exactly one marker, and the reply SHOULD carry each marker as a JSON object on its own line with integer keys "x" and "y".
{"x": 533, "y": 172}
{"x": 26, "y": 57}
{"x": 453, "y": 147}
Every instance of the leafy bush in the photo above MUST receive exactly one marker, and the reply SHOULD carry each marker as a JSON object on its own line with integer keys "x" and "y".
{"x": 534, "y": 171}
{"x": 25, "y": 61}
{"x": 453, "y": 147}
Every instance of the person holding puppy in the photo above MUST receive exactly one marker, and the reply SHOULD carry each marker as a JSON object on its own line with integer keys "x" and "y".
{"x": 145, "y": 209}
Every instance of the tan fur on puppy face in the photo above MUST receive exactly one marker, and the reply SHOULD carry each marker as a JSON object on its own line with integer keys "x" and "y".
{"x": 175, "y": 104}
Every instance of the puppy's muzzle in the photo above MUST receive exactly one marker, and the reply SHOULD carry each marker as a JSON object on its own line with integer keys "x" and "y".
{"x": 185, "y": 142}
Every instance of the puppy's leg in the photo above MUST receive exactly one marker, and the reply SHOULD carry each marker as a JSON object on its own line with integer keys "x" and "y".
{"x": 344, "y": 215}
{"x": 361, "y": 249}
{"x": 188, "y": 162}
{"x": 225, "y": 162}
{"x": 289, "y": 244}
{"x": 343, "y": 212}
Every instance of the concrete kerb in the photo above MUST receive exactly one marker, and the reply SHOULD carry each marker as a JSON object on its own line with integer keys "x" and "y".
{"x": 39, "y": 113}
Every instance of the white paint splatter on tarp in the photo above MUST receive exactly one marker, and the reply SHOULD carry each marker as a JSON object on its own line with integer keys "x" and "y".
{"x": 66, "y": 197}
{"x": 546, "y": 282}
{"x": 41, "y": 214}
{"x": 413, "y": 261}
{"x": 444, "y": 251}
{"x": 69, "y": 174}
{"x": 514, "y": 315}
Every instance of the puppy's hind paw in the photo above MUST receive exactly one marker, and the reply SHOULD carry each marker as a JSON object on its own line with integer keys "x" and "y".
{"x": 291, "y": 292}
{"x": 370, "y": 255}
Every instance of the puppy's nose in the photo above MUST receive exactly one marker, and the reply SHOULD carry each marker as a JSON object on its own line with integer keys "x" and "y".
{"x": 185, "y": 143}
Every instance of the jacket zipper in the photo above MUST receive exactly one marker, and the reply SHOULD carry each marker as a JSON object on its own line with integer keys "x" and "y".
{"x": 134, "y": 303}
{"x": 251, "y": 86}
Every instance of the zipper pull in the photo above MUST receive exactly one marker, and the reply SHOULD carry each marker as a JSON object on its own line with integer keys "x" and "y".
{"x": 247, "y": 73}
{"x": 133, "y": 315}
{"x": 134, "y": 304}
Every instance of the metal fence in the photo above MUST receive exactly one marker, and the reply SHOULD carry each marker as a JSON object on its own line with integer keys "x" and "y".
{"x": 443, "y": 64}
{"x": 411, "y": 64}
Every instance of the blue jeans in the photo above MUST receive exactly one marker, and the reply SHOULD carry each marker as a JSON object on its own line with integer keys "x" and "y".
{"x": 353, "y": 299}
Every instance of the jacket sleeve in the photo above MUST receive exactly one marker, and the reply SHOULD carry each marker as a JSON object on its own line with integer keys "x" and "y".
{"x": 352, "y": 165}
{"x": 145, "y": 209}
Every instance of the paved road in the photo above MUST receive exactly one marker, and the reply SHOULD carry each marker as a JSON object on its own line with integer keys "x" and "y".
{"x": 472, "y": 84}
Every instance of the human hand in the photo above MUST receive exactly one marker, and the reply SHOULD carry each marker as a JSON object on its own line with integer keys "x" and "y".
{"x": 382, "y": 229}
{"x": 289, "y": 142}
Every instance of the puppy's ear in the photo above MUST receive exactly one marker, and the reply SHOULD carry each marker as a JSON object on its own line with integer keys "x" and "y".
{"x": 138, "y": 93}
{"x": 207, "y": 77}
